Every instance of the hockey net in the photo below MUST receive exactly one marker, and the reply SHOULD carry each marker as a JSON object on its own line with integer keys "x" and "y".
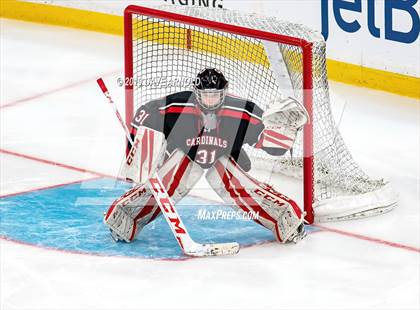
{"x": 262, "y": 58}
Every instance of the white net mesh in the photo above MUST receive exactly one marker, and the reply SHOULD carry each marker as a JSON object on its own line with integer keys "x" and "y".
{"x": 167, "y": 56}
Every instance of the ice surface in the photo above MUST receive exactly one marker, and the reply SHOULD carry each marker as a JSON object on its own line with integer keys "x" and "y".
{"x": 54, "y": 111}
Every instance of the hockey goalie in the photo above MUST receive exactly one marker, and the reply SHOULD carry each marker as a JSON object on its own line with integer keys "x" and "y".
{"x": 187, "y": 134}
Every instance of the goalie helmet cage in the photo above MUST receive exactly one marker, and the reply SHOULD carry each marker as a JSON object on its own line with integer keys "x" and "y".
{"x": 262, "y": 58}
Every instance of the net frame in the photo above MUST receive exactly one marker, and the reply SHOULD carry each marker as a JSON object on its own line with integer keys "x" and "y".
{"x": 305, "y": 46}
{"x": 318, "y": 175}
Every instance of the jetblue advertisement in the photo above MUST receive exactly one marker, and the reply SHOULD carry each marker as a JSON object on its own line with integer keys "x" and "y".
{"x": 378, "y": 34}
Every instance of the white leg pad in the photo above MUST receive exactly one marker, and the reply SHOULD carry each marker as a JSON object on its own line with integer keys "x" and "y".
{"x": 275, "y": 211}
{"x": 135, "y": 209}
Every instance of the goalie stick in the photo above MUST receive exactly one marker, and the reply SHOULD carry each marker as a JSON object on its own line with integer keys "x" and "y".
{"x": 167, "y": 206}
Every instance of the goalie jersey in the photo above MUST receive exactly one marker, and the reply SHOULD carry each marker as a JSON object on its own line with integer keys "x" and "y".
{"x": 202, "y": 136}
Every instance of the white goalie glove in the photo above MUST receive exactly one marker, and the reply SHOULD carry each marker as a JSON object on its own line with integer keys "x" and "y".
{"x": 283, "y": 120}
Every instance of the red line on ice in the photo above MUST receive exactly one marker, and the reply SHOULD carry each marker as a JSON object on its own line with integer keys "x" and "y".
{"x": 340, "y": 232}
{"x": 366, "y": 238}
{"x": 57, "y": 164}
{"x": 55, "y": 90}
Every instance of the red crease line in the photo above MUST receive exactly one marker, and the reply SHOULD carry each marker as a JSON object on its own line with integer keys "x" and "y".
{"x": 76, "y": 252}
{"x": 340, "y": 232}
{"x": 48, "y": 187}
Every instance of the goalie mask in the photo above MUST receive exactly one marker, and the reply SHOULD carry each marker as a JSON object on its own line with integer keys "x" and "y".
{"x": 210, "y": 88}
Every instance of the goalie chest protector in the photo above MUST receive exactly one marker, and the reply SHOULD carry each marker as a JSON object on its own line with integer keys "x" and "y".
{"x": 204, "y": 137}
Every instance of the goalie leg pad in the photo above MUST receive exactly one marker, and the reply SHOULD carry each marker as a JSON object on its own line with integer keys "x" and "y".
{"x": 275, "y": 211}
{"x": 128, "y": 215}
{"x": 121, "y": 216}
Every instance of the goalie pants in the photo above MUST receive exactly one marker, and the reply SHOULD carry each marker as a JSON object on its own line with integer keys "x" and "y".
{"x": 179, "y": 174}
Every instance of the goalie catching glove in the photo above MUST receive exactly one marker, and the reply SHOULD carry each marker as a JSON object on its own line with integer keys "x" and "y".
{"x": 282, "y": 121}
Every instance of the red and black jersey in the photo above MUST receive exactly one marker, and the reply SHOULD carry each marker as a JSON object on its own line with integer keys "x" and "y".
{"x": 204, "y": 137}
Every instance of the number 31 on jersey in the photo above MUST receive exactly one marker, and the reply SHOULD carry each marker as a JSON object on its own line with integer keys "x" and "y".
{"x": 205, "y": 157}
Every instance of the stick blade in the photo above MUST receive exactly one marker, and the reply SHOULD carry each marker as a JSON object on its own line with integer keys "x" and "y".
{"x": 214, "y": 249}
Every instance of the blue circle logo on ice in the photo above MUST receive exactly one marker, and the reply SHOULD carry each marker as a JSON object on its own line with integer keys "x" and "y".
{"x": 70, "y": 218}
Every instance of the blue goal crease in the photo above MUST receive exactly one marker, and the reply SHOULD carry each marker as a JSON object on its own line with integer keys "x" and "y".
{"x": 70, "y": 218}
